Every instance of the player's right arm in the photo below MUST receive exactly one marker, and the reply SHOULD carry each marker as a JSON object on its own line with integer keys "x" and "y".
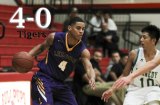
{"x": 150, "y": 65}
{"x": 38, "y": 49}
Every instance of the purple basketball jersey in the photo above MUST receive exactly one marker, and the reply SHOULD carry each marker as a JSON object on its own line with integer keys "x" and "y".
{"x": 61, "y": 59}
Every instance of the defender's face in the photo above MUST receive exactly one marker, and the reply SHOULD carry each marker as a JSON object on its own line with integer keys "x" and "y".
{"x": 77, "y": 30}
{"x": 146, "y": 40}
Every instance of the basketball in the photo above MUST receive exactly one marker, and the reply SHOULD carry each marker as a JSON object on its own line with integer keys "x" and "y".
{"x": 22, "y": 62}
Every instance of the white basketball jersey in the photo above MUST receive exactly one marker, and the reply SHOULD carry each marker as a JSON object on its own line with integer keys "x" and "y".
{"x": 151, "y": 78}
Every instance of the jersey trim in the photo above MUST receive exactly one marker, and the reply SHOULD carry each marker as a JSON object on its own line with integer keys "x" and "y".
{"x": 46, "y": 61}
{"x": 66, "y": 42}
{"x": 135, "y": 60}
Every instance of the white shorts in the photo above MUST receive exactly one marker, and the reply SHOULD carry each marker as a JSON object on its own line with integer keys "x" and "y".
{"x": 142, "y": 96}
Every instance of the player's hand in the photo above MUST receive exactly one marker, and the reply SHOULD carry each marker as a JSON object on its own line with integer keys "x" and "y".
{"x": 92, "y": 83}
{"x": 122, "y": 82}
{"x": 107, "y": 94}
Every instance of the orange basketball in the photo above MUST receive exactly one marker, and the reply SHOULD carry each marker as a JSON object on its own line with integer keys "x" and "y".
{"x": 22, "y": 62}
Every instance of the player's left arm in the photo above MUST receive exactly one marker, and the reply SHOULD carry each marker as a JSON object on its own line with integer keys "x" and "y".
{"x": 85, "y": 57}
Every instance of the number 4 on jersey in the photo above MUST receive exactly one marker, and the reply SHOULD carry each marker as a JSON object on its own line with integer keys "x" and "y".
{"x": 62, "y": 65}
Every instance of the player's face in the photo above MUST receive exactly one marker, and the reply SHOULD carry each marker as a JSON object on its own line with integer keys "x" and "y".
{"x": 146, "y": 41}
{"x": 77, "y": 30}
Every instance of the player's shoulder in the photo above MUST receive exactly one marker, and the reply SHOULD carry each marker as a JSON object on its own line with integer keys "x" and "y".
{"x": 56, "y": 34}
{"x": 49, "y": 39}
{"x": 60, "y": 34}
{"x": 50, "y": 36}
{"x": 133, "y": 53}
{"x": 85, "y": 53}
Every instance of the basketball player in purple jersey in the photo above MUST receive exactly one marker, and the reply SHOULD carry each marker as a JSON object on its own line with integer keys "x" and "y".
{"x": 64, "y": 49}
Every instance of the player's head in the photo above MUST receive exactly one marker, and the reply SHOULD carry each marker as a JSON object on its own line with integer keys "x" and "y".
{"x": 152, "y": 31}
{"x": 76, "y": 28}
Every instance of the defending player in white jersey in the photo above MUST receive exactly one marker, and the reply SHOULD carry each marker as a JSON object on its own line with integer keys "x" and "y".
{"x": 143, "y": 90}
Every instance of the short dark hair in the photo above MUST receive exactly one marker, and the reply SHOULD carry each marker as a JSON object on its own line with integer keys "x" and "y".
{"x": 115, "y": 51}
{"x": 154, "y": 32}
{"x": 122, "y": 55}
{"x": 75, "y": 19}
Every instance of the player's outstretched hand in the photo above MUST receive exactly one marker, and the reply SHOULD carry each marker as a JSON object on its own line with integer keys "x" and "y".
{"x": 92, "y": 83}
{"x": 122, "y": 82}
{"x": 107, "y": 94}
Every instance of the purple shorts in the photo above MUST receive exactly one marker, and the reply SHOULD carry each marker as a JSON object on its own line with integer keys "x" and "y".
{"x": 48, "y": 91}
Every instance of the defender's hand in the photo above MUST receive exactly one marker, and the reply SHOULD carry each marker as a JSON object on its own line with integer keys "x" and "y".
{"x": 107, "y": 94}
{"x": 122, "y": 82}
